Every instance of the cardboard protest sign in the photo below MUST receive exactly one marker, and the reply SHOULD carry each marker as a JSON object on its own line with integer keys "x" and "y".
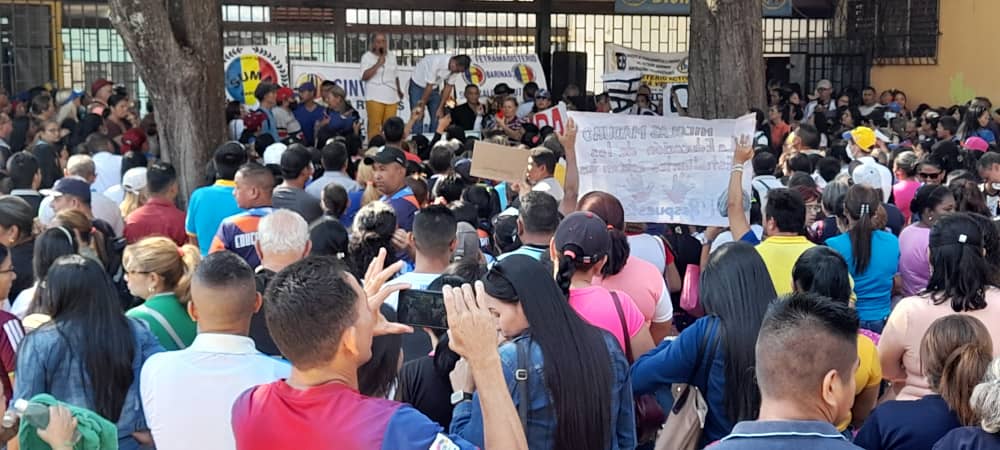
{"x": 499, "y": 162}
{"x": 552, "y": 117}
{"x": 246, "y": 67}
{"x": 664, "y": 170}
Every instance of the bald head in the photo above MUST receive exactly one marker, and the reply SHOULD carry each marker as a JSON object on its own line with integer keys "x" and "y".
{"x": 802, "y": 338}
{"x": 223, "y": 293}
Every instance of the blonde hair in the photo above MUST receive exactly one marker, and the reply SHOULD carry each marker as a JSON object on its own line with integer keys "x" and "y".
{"x": 132, "y": 201}
{"x": 366, "y": 178}
{"x": 163, "y": 257}
{"x": 985, "y": 399}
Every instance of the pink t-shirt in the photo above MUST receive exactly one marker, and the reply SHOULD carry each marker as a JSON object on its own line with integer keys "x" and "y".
{"x": 644, "y": 283}
{"x": 595, "y": 305}
{"x": 899, "y": 345}
{"x": 914, "y": 266}
{"x": 903, "y": 193}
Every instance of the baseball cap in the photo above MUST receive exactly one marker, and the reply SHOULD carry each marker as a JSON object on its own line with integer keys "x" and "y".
{"x": 134, "y": 180}
{"x": 502, "y": 89}
{"x": 387, "y": 155}
{"x": 69, "y": 186}
{"x": 285, "y": 93}
{"x": 133, "y": 140}
{"x": 98, "y": 84}
{"x": 254, "y": 120}
{"x": 976, "y": 143}
{"x": 231, "y": 153}
{"x": 864, "y": 137}
{"x": 583, "y": 237}
{"x": 867, "y": 175}
{"x": 273, "y": 152}
{"x": 543, "y": 93}
{"x": 307, "y": 86}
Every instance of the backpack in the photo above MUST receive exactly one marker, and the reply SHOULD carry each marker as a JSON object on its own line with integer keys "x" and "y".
{"x": 114, "y": 246}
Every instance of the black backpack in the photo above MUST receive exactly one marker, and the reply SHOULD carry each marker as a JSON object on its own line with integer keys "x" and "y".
{"x": 114, "y": 246}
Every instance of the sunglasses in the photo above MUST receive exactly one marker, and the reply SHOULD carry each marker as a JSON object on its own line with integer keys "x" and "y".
{"x": 929, "y": 175}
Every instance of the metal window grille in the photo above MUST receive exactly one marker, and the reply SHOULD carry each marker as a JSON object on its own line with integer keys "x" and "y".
{"x": 27, "y": 50}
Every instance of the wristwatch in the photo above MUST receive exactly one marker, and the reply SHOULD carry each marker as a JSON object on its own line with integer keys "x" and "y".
{"x": 459, "y": 397}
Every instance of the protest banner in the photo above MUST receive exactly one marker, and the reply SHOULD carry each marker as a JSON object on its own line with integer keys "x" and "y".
{"x": 499, "y": 162}
{"x": 664, "y": 170}
{"x": 246, "y": 67}
{"x": 486, "y": 71}
{"x": 552, "y": 117}
{"x": 664, "y": 73}
{"x": 347, "y": 76}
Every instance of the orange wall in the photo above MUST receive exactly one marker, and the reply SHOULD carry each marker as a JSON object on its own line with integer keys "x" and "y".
{"x": 968, "y": 59}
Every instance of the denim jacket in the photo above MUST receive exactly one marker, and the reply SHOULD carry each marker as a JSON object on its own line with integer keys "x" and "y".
{"x": 467, "y": 418}
{"x": 46, "y": 364}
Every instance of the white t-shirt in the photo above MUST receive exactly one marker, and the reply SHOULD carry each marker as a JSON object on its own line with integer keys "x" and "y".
{"x": 382, "y": 86}
{"x": 187, "y": 395}
{"x": 524, "y": 109}
{"x": 102, "y": 207}
{"x": 550, "y": 186}
{"x": 109, "y": 170}
{"x": 433, "y": 69}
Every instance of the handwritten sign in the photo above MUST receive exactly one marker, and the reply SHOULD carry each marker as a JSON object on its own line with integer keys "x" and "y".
{"x": 552, "y": 117}
{"x": 499, "y": 162}
{"x": 663, "y": 169}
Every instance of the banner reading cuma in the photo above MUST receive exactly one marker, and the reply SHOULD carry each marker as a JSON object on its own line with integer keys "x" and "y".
{"x": 662, "y": 169}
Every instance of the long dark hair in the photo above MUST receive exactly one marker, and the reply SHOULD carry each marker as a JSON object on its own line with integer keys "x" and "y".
{"x": 970, "y": 121}
{"x": 960, "y": 274}
{"x": 373, "y": 228}
{"x": 736, "y": 288}
{"x": 863, "y": 206}
{"x": 80, "y": 298}
{"x": 928, "y": 197}
{"x": 821, "y": 270}
{"x": 577, "y": 362}
{"x": 608, "y": 208}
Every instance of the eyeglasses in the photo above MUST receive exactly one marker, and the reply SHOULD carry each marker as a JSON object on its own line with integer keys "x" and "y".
{"x": 929, "y": 175}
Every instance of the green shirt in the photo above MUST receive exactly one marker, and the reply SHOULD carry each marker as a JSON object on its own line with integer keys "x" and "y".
{"x": 176, "y": 315}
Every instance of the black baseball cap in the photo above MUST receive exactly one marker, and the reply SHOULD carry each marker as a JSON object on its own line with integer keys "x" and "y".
{"x": 502, "y": 89}
{"x": 584, "y": 237}
{"x": 69, "y": 186}
{"x": 387, "y": 155}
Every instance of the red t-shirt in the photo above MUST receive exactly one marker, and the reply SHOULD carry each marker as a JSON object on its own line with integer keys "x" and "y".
{"x": 157, "y": 217}
{"x": 10, "y": 339}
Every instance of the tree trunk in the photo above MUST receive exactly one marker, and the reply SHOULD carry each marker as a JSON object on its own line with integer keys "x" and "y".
{"x": 176, "y": 46}
{"x": 726, "y": 58}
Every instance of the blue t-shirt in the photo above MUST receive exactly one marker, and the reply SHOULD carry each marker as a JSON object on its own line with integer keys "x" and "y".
{"x": 352, "y": 209}
{"x": 405, "y": 205}
{"x": 968, "y": 438}
{"x": 873, "y": 287}
{"x": 307, "y": 119}
{"x": 209, "y": 206}
{"x": 915, "y": 424}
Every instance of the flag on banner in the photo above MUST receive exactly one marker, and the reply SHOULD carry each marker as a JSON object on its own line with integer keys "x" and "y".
{"x": 622, "y": 87}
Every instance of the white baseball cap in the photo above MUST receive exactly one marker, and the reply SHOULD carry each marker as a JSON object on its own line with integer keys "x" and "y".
{"x": 273, "y": 152}
{"x": 134, "y": 180}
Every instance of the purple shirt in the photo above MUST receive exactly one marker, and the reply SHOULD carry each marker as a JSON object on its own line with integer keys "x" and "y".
{"x": 914, "y": 266}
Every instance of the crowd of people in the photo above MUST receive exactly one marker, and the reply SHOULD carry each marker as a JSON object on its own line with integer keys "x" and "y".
{"x": 848, "y": 304}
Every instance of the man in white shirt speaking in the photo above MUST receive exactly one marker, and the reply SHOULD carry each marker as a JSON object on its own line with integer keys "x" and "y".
{"x": 188, "y": 394}
{"x": 425, "y": 85}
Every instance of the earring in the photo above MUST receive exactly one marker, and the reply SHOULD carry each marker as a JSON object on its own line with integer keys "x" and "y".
{"x": 152, "y": 290}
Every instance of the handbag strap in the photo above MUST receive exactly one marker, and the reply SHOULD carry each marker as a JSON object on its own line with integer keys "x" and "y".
{"x": 163, "y": 323}
{"x": 621, "y": 317}
{"x": 711, "y": 352}
{"x": 521, "y": 375}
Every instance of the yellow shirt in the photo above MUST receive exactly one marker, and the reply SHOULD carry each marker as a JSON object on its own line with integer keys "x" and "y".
{"x": 869, "y": 371}
{"x": 780, "y": 254}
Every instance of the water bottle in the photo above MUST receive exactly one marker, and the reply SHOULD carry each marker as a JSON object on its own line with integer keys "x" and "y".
{"x": 35, "y": 414}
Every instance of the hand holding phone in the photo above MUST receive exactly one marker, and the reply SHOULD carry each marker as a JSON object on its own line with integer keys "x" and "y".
{"x": 421, "y": 308}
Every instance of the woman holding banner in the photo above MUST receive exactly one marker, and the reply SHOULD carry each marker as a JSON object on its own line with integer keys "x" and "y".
{"x": 382, "y": 91}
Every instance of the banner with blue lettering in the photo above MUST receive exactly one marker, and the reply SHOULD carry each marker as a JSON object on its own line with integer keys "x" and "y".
{"x": 772, "y": 8}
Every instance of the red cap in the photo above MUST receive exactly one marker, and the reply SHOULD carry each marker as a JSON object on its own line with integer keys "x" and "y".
{"x": 412, "y": 157}
{"x": 133, "y": 140}
{"x": 285, "y": 93}
{"x": 254, "y": 120}
{"x": 98, "y": 84}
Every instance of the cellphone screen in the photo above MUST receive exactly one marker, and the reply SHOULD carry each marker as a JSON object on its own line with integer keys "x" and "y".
{"x": 420, "y": 308}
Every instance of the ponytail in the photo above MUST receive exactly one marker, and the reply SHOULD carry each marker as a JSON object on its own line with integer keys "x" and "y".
{"x": 619, "y": 253}
{"x": 190, "y": 256}
{"x": 564, "y": 274}
{"x": 863, "y": 206}
{"x": 963, "y": 368}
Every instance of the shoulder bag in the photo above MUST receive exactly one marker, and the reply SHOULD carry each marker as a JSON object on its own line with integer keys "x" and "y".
{"x": 686, "y": 421}
{"x": 649, "y": 416}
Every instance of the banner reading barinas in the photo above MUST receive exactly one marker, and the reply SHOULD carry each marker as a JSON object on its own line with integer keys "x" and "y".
{"x": 246, "y": 67}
